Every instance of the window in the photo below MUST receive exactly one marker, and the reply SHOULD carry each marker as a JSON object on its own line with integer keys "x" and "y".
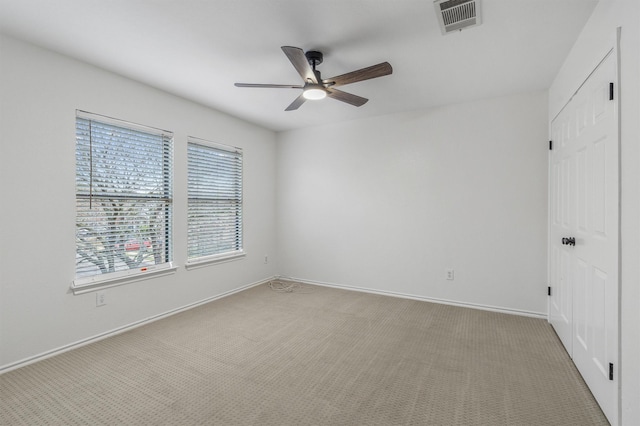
{"x": 123, "y": 200}
{"x": 215, "y": 201}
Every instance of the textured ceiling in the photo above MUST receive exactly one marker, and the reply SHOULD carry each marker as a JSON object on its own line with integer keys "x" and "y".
{"x": 198, "y": 49}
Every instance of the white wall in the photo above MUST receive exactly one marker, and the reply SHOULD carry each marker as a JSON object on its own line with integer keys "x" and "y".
{"x": 388, "y": 204}
{"x": 39, "y": 93}
{"x": 596, "y": 39}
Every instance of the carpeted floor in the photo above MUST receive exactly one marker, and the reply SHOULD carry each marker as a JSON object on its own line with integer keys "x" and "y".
{"x": 319, "y": 356}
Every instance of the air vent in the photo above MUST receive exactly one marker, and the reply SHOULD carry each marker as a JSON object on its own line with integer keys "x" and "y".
{"x": 455, "y": 15}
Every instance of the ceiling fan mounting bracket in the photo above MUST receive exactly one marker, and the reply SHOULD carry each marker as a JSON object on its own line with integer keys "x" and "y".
{"x": 314, "y": 57}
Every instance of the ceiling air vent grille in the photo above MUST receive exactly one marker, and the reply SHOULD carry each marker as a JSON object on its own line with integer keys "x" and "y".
{"x": 455, "y": 15}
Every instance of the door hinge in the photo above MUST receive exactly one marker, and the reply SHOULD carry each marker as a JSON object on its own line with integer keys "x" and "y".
{"x": 549, "y": 291}
{"x": 610, "y": 91}
{"x": 550, "y": 145}
{"x": 610, "y": 371}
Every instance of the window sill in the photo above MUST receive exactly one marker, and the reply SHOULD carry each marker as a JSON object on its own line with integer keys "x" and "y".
{"x": 212, "y": 260}
{"x": 96, "y": 282}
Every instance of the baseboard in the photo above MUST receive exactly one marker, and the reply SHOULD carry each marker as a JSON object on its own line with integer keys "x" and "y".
{"x": 119, "y": 330}
{"x": 499, "y": 309}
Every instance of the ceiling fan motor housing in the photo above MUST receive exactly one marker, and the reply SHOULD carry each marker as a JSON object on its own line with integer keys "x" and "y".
{"x": 314, "y": 57}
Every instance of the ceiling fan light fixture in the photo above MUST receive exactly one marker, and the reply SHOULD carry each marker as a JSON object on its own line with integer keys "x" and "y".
{"x": 314, "y": 93}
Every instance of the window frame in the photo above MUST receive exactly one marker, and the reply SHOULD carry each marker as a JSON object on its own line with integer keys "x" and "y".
{"x": 239, "y": 252}
{"x": 83, "y": 284}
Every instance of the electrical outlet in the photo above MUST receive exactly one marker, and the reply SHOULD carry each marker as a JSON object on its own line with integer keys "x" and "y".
{"x": 450, "y": 274}
{"x": 101, "y": 298}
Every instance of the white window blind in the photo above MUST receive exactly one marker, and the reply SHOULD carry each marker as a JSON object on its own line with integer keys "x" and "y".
{"x": 123, "y": 198}
{"x": 215, "y": 200}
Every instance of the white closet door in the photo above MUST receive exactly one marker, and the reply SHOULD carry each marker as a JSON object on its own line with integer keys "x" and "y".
{"x": 584, "y": 233}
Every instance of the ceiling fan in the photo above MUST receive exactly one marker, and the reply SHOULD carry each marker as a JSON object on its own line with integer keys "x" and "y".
{"x": 315, "y": 87}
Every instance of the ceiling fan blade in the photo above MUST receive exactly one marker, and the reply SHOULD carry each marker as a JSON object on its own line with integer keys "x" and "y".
{"x": 346, "y": 97}
{"x": 300, "y": 63}
{"x": 296, "y": 104}
{"x": 270, "y": 86}
{"x": 373, "y": 71}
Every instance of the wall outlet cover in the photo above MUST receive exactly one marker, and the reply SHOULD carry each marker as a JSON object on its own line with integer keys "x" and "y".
{"x": 101, "y": 298}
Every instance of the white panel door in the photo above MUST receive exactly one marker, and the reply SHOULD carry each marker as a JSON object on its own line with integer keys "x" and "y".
{"x": 584, "y": 233}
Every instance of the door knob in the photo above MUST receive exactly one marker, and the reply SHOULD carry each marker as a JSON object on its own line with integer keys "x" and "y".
{"x": 571, "y": 241}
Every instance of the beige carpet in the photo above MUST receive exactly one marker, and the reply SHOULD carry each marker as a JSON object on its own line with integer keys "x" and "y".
{"x": 318, "y": 357}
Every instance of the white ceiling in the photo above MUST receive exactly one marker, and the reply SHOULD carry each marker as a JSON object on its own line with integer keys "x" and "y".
{"x": 197, "y": 49}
